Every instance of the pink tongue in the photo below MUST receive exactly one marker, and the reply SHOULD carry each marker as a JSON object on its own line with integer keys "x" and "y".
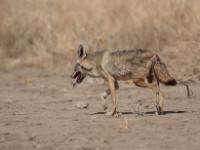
{"x": 74, "y": 81}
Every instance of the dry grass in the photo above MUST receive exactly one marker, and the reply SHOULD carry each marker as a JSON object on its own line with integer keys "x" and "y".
{"x": 46, "y": 32}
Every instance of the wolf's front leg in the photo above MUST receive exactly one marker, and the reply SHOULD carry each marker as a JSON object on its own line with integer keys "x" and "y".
{"x": 105, "y": 94}
{"x": 111, "y": 85}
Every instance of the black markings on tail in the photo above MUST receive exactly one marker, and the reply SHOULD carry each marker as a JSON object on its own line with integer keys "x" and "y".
{"x": 171, "y": 82}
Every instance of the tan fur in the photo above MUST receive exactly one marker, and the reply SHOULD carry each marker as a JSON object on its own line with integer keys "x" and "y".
{"x": 142, "y": 67}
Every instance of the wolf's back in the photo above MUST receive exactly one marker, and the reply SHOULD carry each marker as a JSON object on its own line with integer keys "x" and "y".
{"x": 162, "y": 73}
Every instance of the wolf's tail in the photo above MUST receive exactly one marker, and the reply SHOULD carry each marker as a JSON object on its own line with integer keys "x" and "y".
{"x": 162, "y": 73}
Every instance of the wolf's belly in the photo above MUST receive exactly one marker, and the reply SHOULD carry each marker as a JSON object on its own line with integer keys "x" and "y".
{"x": 128, "y": 72}
{"x": 120, "y": 73}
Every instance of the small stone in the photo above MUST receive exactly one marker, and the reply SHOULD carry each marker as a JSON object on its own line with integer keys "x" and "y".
{"x": 81, "y": 105}
{"x": 64, "y": 90}
{"x": 104, "y": 140}
{"x": 94, "y": 119}
{"x": 186, "y": 120}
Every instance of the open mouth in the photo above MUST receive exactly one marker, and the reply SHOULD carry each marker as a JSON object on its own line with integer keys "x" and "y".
{"x": 77, "y": 78}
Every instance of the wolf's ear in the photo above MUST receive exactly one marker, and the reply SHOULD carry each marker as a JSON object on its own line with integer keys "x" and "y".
{"x": 81, "y": 52}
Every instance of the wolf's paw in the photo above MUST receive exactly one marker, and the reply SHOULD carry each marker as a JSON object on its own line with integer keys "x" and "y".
{"x": 158, "y": 113}
{"x": 115, "y": 114}
{"x": 103, "y": 96}
{"x": 118, "y": 114}
{"x": 110, "y": 113}
{"x": 159, "y": 110}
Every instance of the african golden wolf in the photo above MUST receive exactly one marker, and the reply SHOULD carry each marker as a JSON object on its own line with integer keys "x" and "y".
{"x": 143, "y": 67}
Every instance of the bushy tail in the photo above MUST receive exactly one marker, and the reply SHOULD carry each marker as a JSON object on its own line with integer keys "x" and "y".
{"x": 162, "y": 73}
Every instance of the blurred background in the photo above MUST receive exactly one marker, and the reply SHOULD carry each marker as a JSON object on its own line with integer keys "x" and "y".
{"x": 46, "y": 33}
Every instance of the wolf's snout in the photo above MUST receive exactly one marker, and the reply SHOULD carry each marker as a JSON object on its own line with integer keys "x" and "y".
{"x": 72, "y": 75}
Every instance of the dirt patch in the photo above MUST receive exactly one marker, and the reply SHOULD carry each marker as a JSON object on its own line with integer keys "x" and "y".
{"x": 37, "y": 111}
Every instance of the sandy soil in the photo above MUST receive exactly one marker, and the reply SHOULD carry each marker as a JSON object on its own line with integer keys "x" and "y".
{"x": 37, "y": 111}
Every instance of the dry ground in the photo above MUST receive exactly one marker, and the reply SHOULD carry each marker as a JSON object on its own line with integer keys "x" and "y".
{"x": 37, "y": 111}
{"x": 37, "y": 107}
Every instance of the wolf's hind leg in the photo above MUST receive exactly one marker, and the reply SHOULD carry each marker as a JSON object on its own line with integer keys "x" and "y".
{"x": 156, "y": 93}
{"x": 158, "y": 102}
{"x": 161, "y": 102}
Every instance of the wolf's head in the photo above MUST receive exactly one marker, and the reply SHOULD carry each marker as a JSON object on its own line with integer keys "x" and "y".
{"x": 81, "y": 67}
